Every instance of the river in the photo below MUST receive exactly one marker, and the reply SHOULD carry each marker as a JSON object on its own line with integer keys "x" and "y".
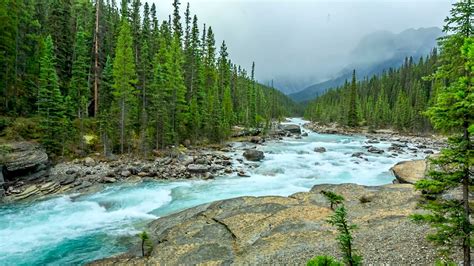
{"x": 74, "y": 229}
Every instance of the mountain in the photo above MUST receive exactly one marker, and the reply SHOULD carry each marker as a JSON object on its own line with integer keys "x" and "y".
{"x": 375, "y": 53}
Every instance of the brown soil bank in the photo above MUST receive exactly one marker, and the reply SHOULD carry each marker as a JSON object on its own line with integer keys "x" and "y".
{"x": 288, "y": 230}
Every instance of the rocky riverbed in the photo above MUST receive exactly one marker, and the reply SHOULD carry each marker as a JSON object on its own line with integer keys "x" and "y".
{"x": 27, "y": 173}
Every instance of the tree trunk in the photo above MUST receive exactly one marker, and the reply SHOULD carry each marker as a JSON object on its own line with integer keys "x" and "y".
{"x": 122, "y": 123}
{"x": 96, "y": 60}
{"x": 465, "y": 195}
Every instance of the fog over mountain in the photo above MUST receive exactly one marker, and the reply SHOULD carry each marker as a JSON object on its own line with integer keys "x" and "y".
{"x": 297, "y": 43}
{"x": 375, "y": 53}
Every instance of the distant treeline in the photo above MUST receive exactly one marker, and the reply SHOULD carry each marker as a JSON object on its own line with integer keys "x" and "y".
{"x": 394, "y": 99}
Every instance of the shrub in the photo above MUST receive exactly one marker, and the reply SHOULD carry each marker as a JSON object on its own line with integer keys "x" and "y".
{"x": 23, "y": 129}
{"x": 333, "y": 198}
{"x": 146, "y": 244}
{"x": 323, "y": 261}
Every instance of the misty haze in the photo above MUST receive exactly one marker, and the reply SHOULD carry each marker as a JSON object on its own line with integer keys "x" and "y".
{"x": 236, "y": 132}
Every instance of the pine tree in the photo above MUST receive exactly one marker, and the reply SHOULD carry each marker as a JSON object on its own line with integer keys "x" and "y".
{"x": 352, "y": 113}
{"x": 124, "y": 80}
{"x": 50, "y": 101}
{"x": 79, "y": 88}
{"x": 61, "y": 30}
{"x": 106, "y": 117}
{"x": 177, "y": 27}
{"x": 453, "y": 112}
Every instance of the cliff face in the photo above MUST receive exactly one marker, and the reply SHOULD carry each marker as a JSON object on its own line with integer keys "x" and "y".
{"x": 288, "y": 230}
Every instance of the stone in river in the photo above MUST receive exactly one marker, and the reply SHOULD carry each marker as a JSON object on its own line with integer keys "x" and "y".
{"x": 254, "y": 155}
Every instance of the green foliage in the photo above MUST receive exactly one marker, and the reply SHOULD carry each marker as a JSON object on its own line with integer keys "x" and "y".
{"x": 323, "y": 261}
{"x": 23, "y": 129}
{"x": 146, "y": 244}
{"x": 50, "y": 102}
{"x": 333, "y": 198}
{"x": 125, "y": 78}
{"x": 158, "y": 83}
{"x": 352, "y": 118}
{"x": 452, "y": 112}
{"x": 345, "y": 239}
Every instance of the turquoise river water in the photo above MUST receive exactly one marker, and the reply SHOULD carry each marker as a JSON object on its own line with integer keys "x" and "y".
{"x": 74, "y": 229}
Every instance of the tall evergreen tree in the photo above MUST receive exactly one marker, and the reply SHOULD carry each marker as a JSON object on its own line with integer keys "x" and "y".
{"x": 453, "y": 112}
{"x": 352, "y": 113}
{"x": 125, "y": 79}
{"x": 50, "y": 101}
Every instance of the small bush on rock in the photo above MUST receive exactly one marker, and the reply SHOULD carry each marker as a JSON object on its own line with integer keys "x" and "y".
{"x": 323, "y": 261}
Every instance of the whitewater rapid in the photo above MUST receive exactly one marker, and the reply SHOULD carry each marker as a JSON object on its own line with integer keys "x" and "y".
{"x": 74, "y": 229}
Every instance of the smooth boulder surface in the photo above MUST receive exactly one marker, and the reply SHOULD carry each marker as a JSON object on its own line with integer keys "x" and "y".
{"x": 254, "y": 155}
{"x": 24, "y": 161}
{"x": 409, "y": 172}
{"x": 292, "y": 128}
{"x": 288, "y": 230}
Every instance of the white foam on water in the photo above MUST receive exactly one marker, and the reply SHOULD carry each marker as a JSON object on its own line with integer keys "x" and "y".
{"x": 51, "y": 221}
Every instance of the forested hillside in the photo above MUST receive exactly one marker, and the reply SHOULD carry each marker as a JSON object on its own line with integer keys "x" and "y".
{"x": 375, "y": 53}
{"x": 121, "y": 78}
{"x": 395, "y": 98}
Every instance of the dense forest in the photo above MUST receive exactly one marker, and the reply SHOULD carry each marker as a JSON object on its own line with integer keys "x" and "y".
{"x": 395, "y": 98}
{"x": 82, "y": 73}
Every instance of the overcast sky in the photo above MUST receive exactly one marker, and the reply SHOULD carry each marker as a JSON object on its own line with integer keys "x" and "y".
{"x": 300, "y": 39}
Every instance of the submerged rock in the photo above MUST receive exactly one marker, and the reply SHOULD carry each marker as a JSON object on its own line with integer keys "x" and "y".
{"x": 254, "y": 155}
{"x": 409, "y": 171}
{"x": 320, "y": 149}
{"x": 376, "y": 150}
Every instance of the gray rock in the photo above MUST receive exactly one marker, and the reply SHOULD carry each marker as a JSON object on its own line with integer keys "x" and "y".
{"x": 198, "y": 168}
{"x": 305, "y": 134}
{"x": 201, "y": 160}
{"x": 320, "y": 149}
{"x": 358, "y": 154}
{"x": 373, "y": 141}
{"x": 375, "y": 150}
{"x": 24, "y": 161}
{"x": 89, "y": 162}
{"x": 107, "y": 179}
{"x": 67, "y": 179}
{"x": 292, "y": 128}
{"x": 254, "y": 155}
{"x": 126, "y": 173}
{"x": 409, "y": 171}
{"x": 428, "y": 152}
{"x": 257, "y": 140}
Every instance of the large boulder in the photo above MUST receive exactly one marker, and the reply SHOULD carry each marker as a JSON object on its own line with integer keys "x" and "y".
{"x": 282, "y": 230}
{"x": 254, "y": 155}
{"x": 409, "y": 171}
{"x": 24, "y": 161}
{"x": 292, "y": 128}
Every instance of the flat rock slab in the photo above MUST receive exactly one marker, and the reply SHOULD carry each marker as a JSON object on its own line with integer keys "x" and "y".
{"x": 288, "y": 230}
{"x": 409, "y": 172}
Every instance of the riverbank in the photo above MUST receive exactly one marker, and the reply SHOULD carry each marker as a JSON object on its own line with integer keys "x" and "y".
{"x": 289, "y": 230}
{"x": 432, "y": 140}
